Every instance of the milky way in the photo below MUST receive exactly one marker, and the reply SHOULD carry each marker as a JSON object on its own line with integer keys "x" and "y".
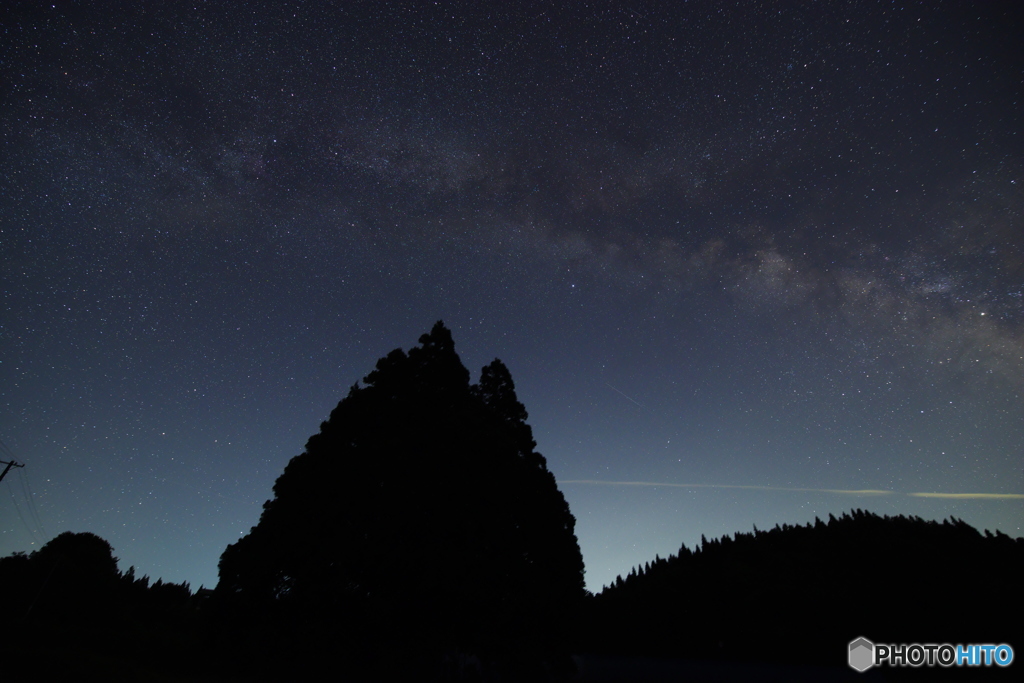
{"x": 773, "y": 253}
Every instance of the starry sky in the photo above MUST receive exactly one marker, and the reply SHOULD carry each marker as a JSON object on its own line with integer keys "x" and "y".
{"x": 748, "y": 263}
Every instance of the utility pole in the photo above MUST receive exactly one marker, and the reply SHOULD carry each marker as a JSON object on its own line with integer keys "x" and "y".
{"x": 7, "y": 469}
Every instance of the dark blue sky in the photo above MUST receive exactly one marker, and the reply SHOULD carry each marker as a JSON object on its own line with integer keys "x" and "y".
{"x": 772, "y": 254}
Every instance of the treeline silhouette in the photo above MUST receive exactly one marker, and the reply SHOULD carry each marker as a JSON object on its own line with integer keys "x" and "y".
{"x": 420, "y": 536}
{"x": 801, "y": 593}
{"x": 68, "y": 611}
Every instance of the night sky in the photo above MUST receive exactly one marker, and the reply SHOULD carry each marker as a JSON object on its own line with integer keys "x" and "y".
{"x": 747, "y": 264}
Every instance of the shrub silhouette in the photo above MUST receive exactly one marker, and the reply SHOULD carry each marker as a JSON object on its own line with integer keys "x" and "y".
{"x": 419, "y": 516}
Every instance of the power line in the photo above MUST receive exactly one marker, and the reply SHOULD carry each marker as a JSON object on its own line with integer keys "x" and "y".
{"x": 33, "y": 513}
{"x": 21, "y": 516}
{"x": 25, "y": 490}
{"x": 33, "y": 509}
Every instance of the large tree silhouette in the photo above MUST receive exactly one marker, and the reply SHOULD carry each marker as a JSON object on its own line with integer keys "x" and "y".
{"x": 420, "y": 512}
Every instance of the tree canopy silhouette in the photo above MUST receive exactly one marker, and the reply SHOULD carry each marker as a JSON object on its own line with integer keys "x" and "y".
{"x": 421, "y": 507}
{"x": 90, "y": 556}
{"x": 71, "y": 577}
{"x": 74, "y": 616}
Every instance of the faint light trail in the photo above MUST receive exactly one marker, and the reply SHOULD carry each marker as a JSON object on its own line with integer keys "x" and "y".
{"x": 624, "y": 395}
{"x": 849, "y": 492}
{"x": 967, "y": 496}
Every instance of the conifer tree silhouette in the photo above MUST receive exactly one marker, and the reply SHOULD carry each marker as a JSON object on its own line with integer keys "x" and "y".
{"x": 420, "y": 512}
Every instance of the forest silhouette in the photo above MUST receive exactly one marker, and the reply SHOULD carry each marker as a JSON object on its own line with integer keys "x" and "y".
{"x": 420, "y": 534}
{"x": 795, "y": 593}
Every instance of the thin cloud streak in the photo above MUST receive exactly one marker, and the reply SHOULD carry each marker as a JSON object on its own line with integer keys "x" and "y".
{"x": 863, "y": 492}
{"x": 852, "y": 492}
{"x": 968, "y": 496}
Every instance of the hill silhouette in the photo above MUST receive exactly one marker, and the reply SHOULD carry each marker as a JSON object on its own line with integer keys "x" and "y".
{"x": 799, "y": 594}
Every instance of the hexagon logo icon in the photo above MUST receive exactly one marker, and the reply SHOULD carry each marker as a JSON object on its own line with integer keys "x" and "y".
{"x": 862, "y": 654}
